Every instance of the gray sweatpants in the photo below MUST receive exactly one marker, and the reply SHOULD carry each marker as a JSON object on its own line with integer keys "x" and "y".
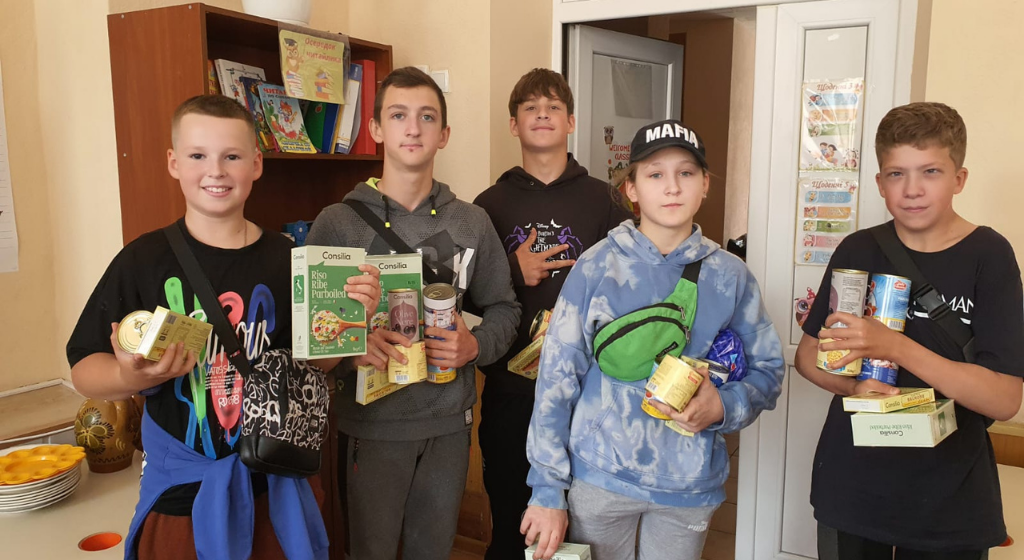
{"x": 611, "y": 524}
{"x": 405, "y": 489}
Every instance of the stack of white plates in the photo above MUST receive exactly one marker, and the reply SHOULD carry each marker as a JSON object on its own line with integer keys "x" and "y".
{"x": 33, "y": 477}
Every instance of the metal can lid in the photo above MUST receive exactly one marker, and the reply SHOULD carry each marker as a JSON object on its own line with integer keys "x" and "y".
{"x": 850, "y": 271}
{"x": 401, "y": 290}
{"x": 439, "y": 292}
{"x": 539, "y": 320}
{"x": 131, "y": 330}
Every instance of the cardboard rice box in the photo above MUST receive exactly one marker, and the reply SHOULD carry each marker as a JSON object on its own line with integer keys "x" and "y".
{"x": 325, "y": 322}
{"x": 566, "y": 551}
{"x": 527, "y": 361}
{"x": 396, "y": 271}
{"x": 881, "y": 403}
{"x": 925, "y": 425}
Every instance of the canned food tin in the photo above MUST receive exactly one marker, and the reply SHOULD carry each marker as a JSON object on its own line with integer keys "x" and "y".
{"x": 132, "y": 329}
{"x": 824, "y": 358}
{"x": 888, "y": 302}
{"x": 439, "y": 311}
{"x": 404, "y": 312}
{"x": 847, "y": 295}
{"x": 673, "y": 384}
{"x": 540, "y": 324}
{"x": 718, "y": 373}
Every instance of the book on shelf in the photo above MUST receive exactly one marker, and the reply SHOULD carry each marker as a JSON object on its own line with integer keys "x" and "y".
{"x": 313, "y": 116}
{"x": 264, "y": 135}
{"x": 230, "y": 75}
{"x": 284, "y": 116}
{"x": 349, "y": 120}
{"x": 362, "y": 142}
{"x": 330, "y": 131}
{"x": 211, "y": 78}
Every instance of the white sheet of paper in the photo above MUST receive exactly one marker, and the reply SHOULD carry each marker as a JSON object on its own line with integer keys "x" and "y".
{"x": 8, "y": 227}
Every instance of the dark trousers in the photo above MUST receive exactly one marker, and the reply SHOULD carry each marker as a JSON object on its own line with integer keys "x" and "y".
{"x": 837, "y": 545}
{"x": 504, "y": 422}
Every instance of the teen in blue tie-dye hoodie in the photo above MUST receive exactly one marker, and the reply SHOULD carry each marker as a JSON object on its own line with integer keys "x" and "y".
{"x": 588, "y": 434}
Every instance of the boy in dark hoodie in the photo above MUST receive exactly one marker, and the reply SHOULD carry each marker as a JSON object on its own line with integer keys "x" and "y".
{"x": 408, "y": 454}
{"x": 547, "y": 212}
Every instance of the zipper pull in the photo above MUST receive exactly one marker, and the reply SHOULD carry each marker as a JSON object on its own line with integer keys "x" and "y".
{"x": 355, "y": 455}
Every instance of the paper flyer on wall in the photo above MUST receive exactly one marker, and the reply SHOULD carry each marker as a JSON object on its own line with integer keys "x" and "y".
{"x": 828, "y": 137}
{"x": 826, "y": 213}
{"x": 313, "y": 67}
{"x": 8, "y": 227}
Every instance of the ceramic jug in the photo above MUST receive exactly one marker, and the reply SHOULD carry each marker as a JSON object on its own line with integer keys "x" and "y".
{"x": 107, "y": 430}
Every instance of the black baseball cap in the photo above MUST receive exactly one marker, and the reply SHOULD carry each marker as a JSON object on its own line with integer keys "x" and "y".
{"x": 664, "y": 134}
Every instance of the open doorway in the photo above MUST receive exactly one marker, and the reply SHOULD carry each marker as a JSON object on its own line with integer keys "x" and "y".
{"x": 716, "y": 99}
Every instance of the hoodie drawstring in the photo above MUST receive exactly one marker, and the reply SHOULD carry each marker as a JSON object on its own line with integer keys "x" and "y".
{"x": 387, "y": 211}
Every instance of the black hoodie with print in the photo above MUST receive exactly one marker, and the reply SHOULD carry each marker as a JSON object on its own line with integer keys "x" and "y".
{"x": 575, "y": 209}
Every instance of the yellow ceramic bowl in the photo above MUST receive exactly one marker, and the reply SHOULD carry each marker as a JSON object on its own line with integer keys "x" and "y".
{"x": 38, "y": 463}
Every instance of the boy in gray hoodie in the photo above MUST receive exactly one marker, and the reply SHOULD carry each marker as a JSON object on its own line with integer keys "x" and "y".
{"x": 408, "y": 454}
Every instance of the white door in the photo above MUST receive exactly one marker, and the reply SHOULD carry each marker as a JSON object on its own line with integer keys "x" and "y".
{"x": 802, "y": 49}
{"x": 620, "y": 83}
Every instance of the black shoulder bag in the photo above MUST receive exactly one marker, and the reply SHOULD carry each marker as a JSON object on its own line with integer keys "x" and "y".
{"x": 285, "y": 402}
{"x": 923, "y": 292}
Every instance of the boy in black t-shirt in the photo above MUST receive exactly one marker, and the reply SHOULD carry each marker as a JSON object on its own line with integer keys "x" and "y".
{"x": 547, "y": 213}
{"x": 942, "y": 502}
{"x": 215, "y": 158}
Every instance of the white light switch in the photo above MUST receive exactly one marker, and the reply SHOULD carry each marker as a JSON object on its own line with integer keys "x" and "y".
{"x": 441, "y": 77}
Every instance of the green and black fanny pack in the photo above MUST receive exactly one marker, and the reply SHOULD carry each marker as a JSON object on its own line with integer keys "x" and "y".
{"x": 627, "y": 347}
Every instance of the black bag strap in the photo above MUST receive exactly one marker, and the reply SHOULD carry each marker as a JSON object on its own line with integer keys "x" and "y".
{"x": 208, "y": 299}
{"x": 443, "y": 274}
{"x": 923, "y": 292}
{"x": 692, "y": 271}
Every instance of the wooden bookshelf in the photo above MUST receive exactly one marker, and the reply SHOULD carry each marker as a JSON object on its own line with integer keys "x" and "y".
{"x": 157, "y": 60}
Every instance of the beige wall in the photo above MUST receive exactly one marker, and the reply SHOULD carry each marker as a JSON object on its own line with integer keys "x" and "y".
{"x": 443, "y": 34}
{"x": 974, "y": 64}
{"x": 520, "y": 42}
{"x": 741, "y": 108}
{"x": 27, "y": 346}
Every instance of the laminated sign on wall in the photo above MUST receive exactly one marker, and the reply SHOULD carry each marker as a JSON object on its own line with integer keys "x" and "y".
{"x": 829, "y": 166}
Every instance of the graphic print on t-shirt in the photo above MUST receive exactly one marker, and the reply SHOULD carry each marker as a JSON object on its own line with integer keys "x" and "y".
{"x": 214, "y": 371}
{"x": 549, "y": 235}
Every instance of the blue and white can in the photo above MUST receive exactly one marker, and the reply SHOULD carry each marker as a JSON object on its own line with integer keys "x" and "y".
{"x": 888, "y": 301}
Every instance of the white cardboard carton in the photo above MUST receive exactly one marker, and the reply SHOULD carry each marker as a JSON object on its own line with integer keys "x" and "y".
{"x": 920, "y": 426}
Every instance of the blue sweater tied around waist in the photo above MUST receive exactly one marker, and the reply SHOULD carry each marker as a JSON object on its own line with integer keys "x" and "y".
{"x": 223, "y": 513}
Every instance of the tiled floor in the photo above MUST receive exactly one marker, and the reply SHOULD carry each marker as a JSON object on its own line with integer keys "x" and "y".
{"x": 721, "y": 543}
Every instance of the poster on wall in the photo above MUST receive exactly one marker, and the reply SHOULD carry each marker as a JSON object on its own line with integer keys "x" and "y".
{"x": 312, "y": 67}
{"x": 8, "y": 227}
{"x": 828, "y": 135}
{"x": 826, "y": 213}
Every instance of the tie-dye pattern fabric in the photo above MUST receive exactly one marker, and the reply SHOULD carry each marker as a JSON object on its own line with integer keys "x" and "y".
{"x": 589, "y": 426}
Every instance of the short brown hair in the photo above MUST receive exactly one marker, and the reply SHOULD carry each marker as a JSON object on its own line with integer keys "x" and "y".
{"x": 921, "y": 125}
{"x": 540, "y": 82}
{"x": 219, "y": 106}
{"x": 407, "y": 78}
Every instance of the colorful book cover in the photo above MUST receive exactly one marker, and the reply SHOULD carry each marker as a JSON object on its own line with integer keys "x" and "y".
{"x": 285, "y": 119}
{"x": 231, "y": 73}
{"x": 348, "y": 124}
{"x": 265, "y": 136}
{"x": 331, "y": 114}
{"x": 314, "y": 115}
{"x": 364, "y": 143}
{"x": 313, "y": 68}
{"x": 211, "y": 78}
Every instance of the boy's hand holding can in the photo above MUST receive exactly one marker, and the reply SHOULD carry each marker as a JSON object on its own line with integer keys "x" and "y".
{"x": 863, "y": 336}
{"x": 140, "y": 373}
{"x": 451, "y": 349}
